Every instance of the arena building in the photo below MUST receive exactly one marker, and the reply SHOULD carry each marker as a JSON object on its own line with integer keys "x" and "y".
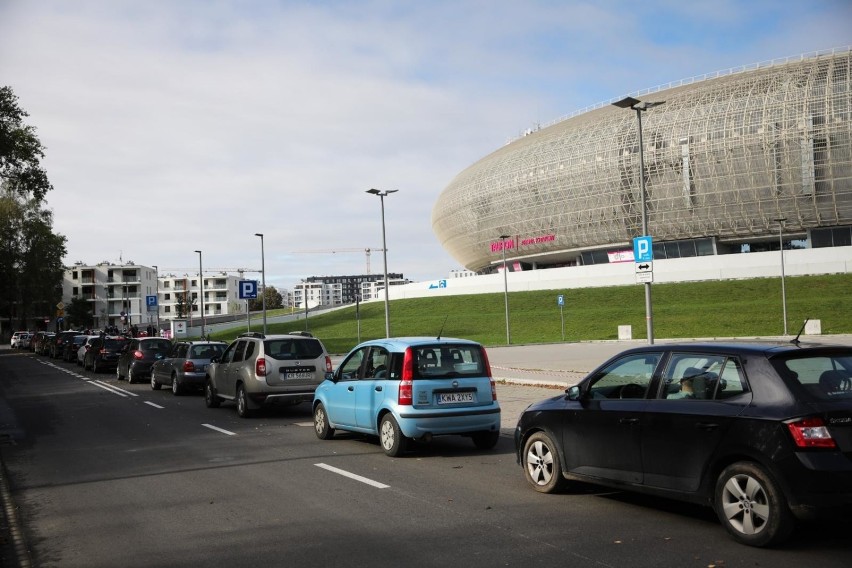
{"x": 735, "y": 162}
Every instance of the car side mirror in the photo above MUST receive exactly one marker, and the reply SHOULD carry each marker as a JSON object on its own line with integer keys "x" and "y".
{"x": 331, "y": 377}
{"x": 573, "y": 392}
{"x": 214, "y": 359}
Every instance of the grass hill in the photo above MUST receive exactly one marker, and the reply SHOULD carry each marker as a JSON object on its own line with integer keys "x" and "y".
{"x": 741, "y": 308}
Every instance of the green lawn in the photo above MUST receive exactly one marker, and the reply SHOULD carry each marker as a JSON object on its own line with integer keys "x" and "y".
{"x": 740, "y": 308}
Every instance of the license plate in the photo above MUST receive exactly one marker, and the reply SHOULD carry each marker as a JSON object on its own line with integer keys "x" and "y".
{"x": 297, "y": 376}
{"x": 456, "y": 397}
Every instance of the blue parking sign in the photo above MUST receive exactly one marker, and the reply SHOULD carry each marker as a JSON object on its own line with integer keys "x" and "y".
{"x": 643, "y": 250}
{"x": 248, "y": 289}
{"x": 151, "y": 301}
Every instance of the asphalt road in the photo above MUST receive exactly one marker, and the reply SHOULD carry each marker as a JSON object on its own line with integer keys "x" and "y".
{"x": 102, "y": 473}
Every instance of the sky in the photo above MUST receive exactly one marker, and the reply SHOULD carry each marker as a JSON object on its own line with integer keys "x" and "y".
{"x": 172, "y": 126}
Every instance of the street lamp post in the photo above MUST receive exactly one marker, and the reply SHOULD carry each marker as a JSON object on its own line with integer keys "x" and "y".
{"x": 783, "y": 288}
{"x": 640, "y": 107}
{"x": 157, "y": 285}
{"x": 506, "y": 287}
{"x": 201, "y": 285}
{"x": 263, "y": 279}
{"x": 382, "y": 195}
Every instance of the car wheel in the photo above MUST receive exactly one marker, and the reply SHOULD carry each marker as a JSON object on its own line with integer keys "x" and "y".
{"x": 542, "y": 466}
{"x": 243, "y": 410}
{"x": 751, "y": 506}
{"x": 321, "y": 426}
{"x": 177, "y": 389}
{"x": 94, "y": 365}
{"x": 155, "y": 384}
{"x": 130, "y": 376}
{"x": 486, "y": 440}
{"x": 210, "y": 398}
{"x": 391, "y": 437}
{"x": 118, "y": 375}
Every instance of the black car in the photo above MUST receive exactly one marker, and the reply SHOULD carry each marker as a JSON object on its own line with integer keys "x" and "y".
{"x": 138, "y": 356}
{"x": 56, "y": 346}
{"x": 103, "y": 353}
{"x": 761, "y": 432}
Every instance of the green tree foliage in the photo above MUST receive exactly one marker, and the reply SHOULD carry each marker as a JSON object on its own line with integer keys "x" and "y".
{"x": 78, "y": 313}
{"x": 274, "y": 300}
{"x": 30, "y": 252}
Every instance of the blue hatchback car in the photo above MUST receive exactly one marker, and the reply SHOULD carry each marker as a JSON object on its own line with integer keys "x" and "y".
{"x": 411, "y": 388}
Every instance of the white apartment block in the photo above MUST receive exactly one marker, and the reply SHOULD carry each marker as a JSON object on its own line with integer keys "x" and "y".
{"x": 221, "y": 295}
{"x": 115, "y": 292}
{"x": 375, "y": 290}
{"x": 317, "y": 294}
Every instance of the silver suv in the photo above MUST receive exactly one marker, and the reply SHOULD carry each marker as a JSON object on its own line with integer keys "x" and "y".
{"x": 257, "y": 371}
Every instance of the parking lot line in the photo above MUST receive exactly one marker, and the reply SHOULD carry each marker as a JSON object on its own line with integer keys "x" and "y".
{"x": 356, "y": 477}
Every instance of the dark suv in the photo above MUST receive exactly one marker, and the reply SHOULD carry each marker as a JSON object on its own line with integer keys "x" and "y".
{"x": 257, "y": 371}
{"x": 56, "y": 346}
{"x": 138, "y": 356}
{"x": 762, "y": 432}
{"x": 103, "y": 353}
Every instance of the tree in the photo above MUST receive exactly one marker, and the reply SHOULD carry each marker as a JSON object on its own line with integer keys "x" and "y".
{"x": 30, "y": 252}
{"x": 183, "y": 304}
{"x": 78, "y": 313}
{"x": 274, "y": 300}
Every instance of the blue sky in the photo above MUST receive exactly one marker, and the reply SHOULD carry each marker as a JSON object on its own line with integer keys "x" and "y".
{"x": 173, "y": 126}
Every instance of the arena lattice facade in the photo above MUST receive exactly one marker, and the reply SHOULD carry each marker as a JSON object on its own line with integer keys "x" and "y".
{"x": 725, "y": 157}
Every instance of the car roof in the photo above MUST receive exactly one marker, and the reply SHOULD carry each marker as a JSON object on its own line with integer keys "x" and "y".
{"x": 759, "y": 347}
{"x": 401, "y": 343}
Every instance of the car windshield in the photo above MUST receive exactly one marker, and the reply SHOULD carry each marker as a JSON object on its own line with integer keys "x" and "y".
{"x": 293, "y": 348}
{"x": 113, "y": 343}
{"x": 155, "y": 345}
{"x": 824, "y": 377}
{"x": 447, "y": 361}
{"x": 206, "y": 351}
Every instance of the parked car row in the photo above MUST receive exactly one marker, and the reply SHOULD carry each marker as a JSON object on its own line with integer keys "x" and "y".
{"x": 759, "y": 431}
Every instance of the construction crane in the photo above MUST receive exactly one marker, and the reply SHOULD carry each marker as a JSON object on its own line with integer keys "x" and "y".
{"x": 366, "y": 251}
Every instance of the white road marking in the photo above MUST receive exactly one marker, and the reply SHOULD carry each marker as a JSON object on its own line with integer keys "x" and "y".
{"x": 106, "y": 388}
{"x": 345, "y": 473}
{"x": 219, "y": 429}
{"x": 310, "y": 424}
{"x": 116, "y": 390}
{"x": 154, "y": 405}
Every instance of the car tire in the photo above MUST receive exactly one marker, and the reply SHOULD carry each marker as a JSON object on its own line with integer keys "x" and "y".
{"x": 393, "y": 442}
{"x": 321, "y": 425}
{"x": 243, "y": 410}
{"x": 210, "y": 398}
{"x": 751, "y": 506}
{"x": 95, "y": 366}
{"x": 486, "y": 440}
{"x": 130, "y": 376}
{"x": 542, "y": 466}
{"x": 155, "y": 384}
{"x": 118, "y": 375}
{"x": 177, "y": 388}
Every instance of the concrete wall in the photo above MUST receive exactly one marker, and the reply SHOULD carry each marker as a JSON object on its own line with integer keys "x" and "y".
{"x": 721, "y": 267}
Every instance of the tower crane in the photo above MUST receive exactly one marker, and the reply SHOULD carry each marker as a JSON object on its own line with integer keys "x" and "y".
{"x": 366, "y": 251}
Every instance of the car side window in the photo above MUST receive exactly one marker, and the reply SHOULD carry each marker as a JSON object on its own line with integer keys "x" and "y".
{"x": 377, "y": 364}
{"x": 229, "y": 353}
{"x": 702, "y": 376}
{"x": 625, "y": 378}
{"x": 731, "y": 381}
{"x": 350, "y": 369}
{"x": 239, "y": 352}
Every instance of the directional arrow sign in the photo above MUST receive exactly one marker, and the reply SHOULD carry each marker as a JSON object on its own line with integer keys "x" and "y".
{"x": 644, "y": 267}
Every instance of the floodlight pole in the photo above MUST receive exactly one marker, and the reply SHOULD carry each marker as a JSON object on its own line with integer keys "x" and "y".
{"x": 263, "y": 280}
{"x": 382, "y": 195}
{"x": 639, "y": 107}
{"x": 783, "y": 287}
{"x": 201, "y": 295}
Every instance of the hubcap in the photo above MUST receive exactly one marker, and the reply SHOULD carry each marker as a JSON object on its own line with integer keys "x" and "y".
{"x": 387, "y": 434}
{"x": 745, "y": 504}
{"x": 319, "y": 421}
{"x": 540, "y": 463}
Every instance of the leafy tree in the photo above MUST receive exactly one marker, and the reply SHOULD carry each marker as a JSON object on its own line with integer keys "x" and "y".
{"x": 274, "y": 300}
{"x": 183, "y": 304}
{"x": 30, "y": 252}
{"x": 78, "y": 313}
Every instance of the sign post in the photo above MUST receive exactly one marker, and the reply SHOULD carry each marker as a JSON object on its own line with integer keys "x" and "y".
{"x": 643, "y": 255}
{"x": 248, "y": 291}
{"x": 560, "y": 301}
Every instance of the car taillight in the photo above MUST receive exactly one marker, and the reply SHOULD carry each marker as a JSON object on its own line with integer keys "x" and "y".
{"x": 260, "y": 367}
{"x": 811, "y": 433}
{"x": 137, "y": 354}
{"x": 328, "y": 367}
{"x": 487, "y": 366}
{"x": 188, "y": 366}
{"x": 406, "y": 383}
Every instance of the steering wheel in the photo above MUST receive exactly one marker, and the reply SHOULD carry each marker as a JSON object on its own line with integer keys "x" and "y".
{"x": 631, "y": 390}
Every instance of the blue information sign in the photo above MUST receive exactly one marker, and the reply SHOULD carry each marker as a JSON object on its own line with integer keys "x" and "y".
{"x": 643, "y": 250}
{"x": 248, "y": 289}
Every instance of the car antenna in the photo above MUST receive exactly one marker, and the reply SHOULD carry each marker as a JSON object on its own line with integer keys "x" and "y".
{"x": 795, "y": 340}
{"x": 442, "y": 326}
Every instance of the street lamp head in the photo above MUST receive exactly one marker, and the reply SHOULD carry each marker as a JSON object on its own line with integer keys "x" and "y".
{"x": 636, "y": 104}
{"x": 198, "y": 251}
{"x": 375, "y": 191}
{"x": 259, "y": 235}
{"x": 504, "y": 237}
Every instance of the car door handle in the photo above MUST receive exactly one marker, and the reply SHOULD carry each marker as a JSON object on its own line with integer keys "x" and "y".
{"x": 378, "y": 389}
{"x": 706, "y": 426}
{"x": 628, "y": 421}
